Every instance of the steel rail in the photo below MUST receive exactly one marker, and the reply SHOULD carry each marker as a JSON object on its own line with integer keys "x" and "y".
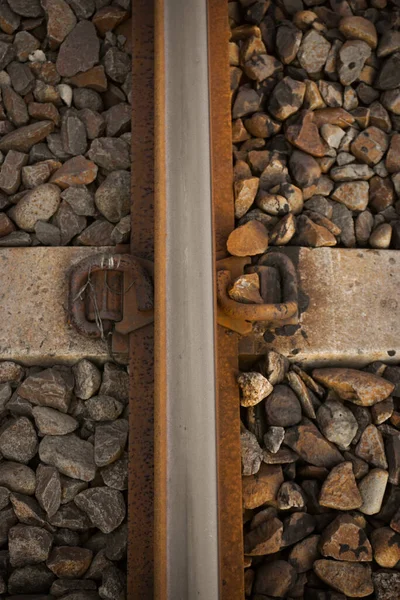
{"x": 186, "y": 508}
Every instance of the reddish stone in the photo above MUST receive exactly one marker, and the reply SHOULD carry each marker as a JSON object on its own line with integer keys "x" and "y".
{"x": 76, "y": 171}
{"x": 94, "y": 78}
{"x": 107, "y": 18}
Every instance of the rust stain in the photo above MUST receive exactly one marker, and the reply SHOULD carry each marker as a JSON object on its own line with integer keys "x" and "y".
{"x": 228, "y": 415}
{"x": 140, "y": 584}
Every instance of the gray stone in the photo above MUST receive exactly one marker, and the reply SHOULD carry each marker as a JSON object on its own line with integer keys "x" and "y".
{"x": 117, "y": 64}
{"x": 115, "y": 543}
{"x": 389, "y": 75}
{"x": 56, "y": 146}
{"x": 386, "y": 582}
{"x": 27, "y": 510}
{"x": 121, "y": 232}
{"x": 47, "y": 234}
{"x": 79, "y": 51}
{"x": 94, "y": 123}
{"x": 113, "y": 198}
{"x": 48, "y": 489}
{"x": 70, "y": 455}
{"x": 109, "y": 442}
{"x": 68, "y": 222}
{"x": 52, "y": 422}
{"x": 273, "y": 438}
{"x": 69, "y": 516}
{"x": 26, "y": 8}
{"x": 18, "y": 440}
{"x": 73, "y": 135}
{"x": 363, "y": 227}
{"x": 22, "y": 78}
{"x": 87, "y": 98}
{"x": 352, "y": 55}
{"x": 7, "y": 54}
{"x": 32, "y": 579}
{"x": 16, "y": 109}
{"x": 16, "y": 239}
{"x": 35, "y": 175}
{"x": 65, "y": 586}
{"x": 8, "y": 19}
{"x": 97, "y": 234}
{"x": 24, "y": 42}
{"x": 342, "y": 217}
{"x": 251, "y": 453}
{"x": 104, "y": 506}
{"x": 7, "y": 520}
{"x": 70, "y": 488}
{"x": 116, "y": 474}
{"x": 80, "y": 200}
{"x": 103, "y": 408}
{"x": 4, "y": 497}
{"x": 109, "y": 153}
{"x": 87, "y": 375}
{"x": 118, "y": 119}
{"x": 115, "y": 382}
{"x": 113, "y": 584}
{"x": 10, "y": 175}
{"x": 28, "y": 545}
{"x": 313, "y": 52}
{"x": 47, "y": 388}
{"x": 82, "y": 8}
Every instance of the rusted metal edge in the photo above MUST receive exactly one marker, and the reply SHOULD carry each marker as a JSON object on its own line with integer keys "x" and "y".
{"x": 160, "y": 349}
{"x": 228, "y": 415}
{"x": 140, "y": 585}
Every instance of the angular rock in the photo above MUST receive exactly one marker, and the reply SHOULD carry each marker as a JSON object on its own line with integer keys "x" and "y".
{"x": 76, "y": 171}
{"x": 115, "y": 382}
{"x": 352, "y": 57}
{"x": 359, "y": 387}
{"x": 275, "y": 578}
{"x": 15, "y": 106}
{"x": 308, "y": 233}
{"x": 389, "y": 77}
{"x": 303, "y": 393}
{"x": 273, "y": 439}
{"x": 18, "y": 440}
{"x": 48, "y": 489}
{"x": 117, "y": 64}
{"x": 304, "y": 169}
{"x": 372, "y": 489}
{"x": 17, "y": 477}
{"x": 32, "y": 579}
{"x": 87, "y": 375}
{"x": 23, "y": 138}
{"x": 116, "y": 474}
{"x": 296, "y": 527}
{"x": 73, "y": 135}
{"x": 254, "y": 387}
{"x": 371, "y": 447}
{"x": 70, "y": 455}
{"x": 113, "y": 197}
{"x": 386, "y": 546}
{"x": 354, "y": 195}
{"x": 69, "y": 223}
{"x": 69, "y": 562}
{"x": 109, "y": 442}
{"x": 263, "y": 487}
{"x": 104, "y": 506}
{"x": 287, "y": 98}
{"x": 264, "y": 539}
{"x": 70, "y": 488}
{"x": 369, "y": 146}
{"x": 337, "y": 423}
{"x": 248, "y": 239}
{"x": 353, "y": 579}
{"x": 313, "y": 52}
{"x": 52, "y": 422}
{"x": 70, "y": 517}
{"x": 344, "y": 539}
{"x": 109, "y": 153}
{"x": 60, "y": 587}
{"x": 60, "y": 21}
{"x": 103, "y": 408}
{"x": 27, "y": 510}
{"x": 47, "y": 388}
{"x": 339, "y": 490}
{"x": 97, "y": 234}
{"x": 28, "y": 545}
{"x": 307, "y": 441}
{"x": 80, "y": 50}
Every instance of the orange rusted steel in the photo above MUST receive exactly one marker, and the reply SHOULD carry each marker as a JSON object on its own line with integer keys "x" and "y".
{"x": 140, "y": 584}
{"x": 228, "y": 417}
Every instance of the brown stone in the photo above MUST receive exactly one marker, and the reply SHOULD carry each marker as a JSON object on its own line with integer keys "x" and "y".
{"x": 308, "y": 233}
{"x": 94, "y": 79}
{"x": 392, "y": 161}
{"x": 304, "y": 169}
{"x": 339, "y": 490}
{"x": 305, "y": 136}
{"x": 44, "y": 112}
{"x": 288, "y": 40}
{"x": 275, "y": 579}
{"x": 304, "y": 553}
{"x": 260, "y": 125}
{"x": 359, "y": 28}
{"x": 264, "y": 539}
{"x": 60, "y": 21}
{"x": 10, "y": 174}
{"x": 262, "y": 488}
{"x": 254, "y": 387}
{"x": 76, "y": 171}
{"x": 352, "y": 55}
{"x": 307, "y": 441}
{"x": 381, "y": 193}
{"x": 262, "y": 66}
{"x": 352, "y": 579}
{"x": 97, "y": 234}
{"x": 333, "y": 116}
{"x": 15, "y": 106}
{"x": 370, "y": 145}
{"x": 283, "y": 231}
{"x": 371, "y": 447}
{"x": 248, "y": 239}
{"x": 392, "y": 447}
{"x": 24, "y": 138}
{"x": 245, "y": 192}
{"x": 389, "y": 76}
{"x": 353, "y": 194}
{"x": 303, "y": 393}
{"x": 386, "y": 546}
{"x": 108, "y": 18}
{"x": 6, "y": 225}
{"x": 69, "y": 562}
{"x": 344, "y": 539}
{"x": 246, "y": 289}
{"x": 379, "y": 117}
{"x": 359, "y": 387}
{"x": 247, "y": 102}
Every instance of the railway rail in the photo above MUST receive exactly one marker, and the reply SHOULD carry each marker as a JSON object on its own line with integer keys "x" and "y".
{"x": 246, "y": 446}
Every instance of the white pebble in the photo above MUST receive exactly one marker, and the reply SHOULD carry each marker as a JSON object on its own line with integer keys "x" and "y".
{"x": 65, "y": 92}
{"x": 37, "y": 56}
